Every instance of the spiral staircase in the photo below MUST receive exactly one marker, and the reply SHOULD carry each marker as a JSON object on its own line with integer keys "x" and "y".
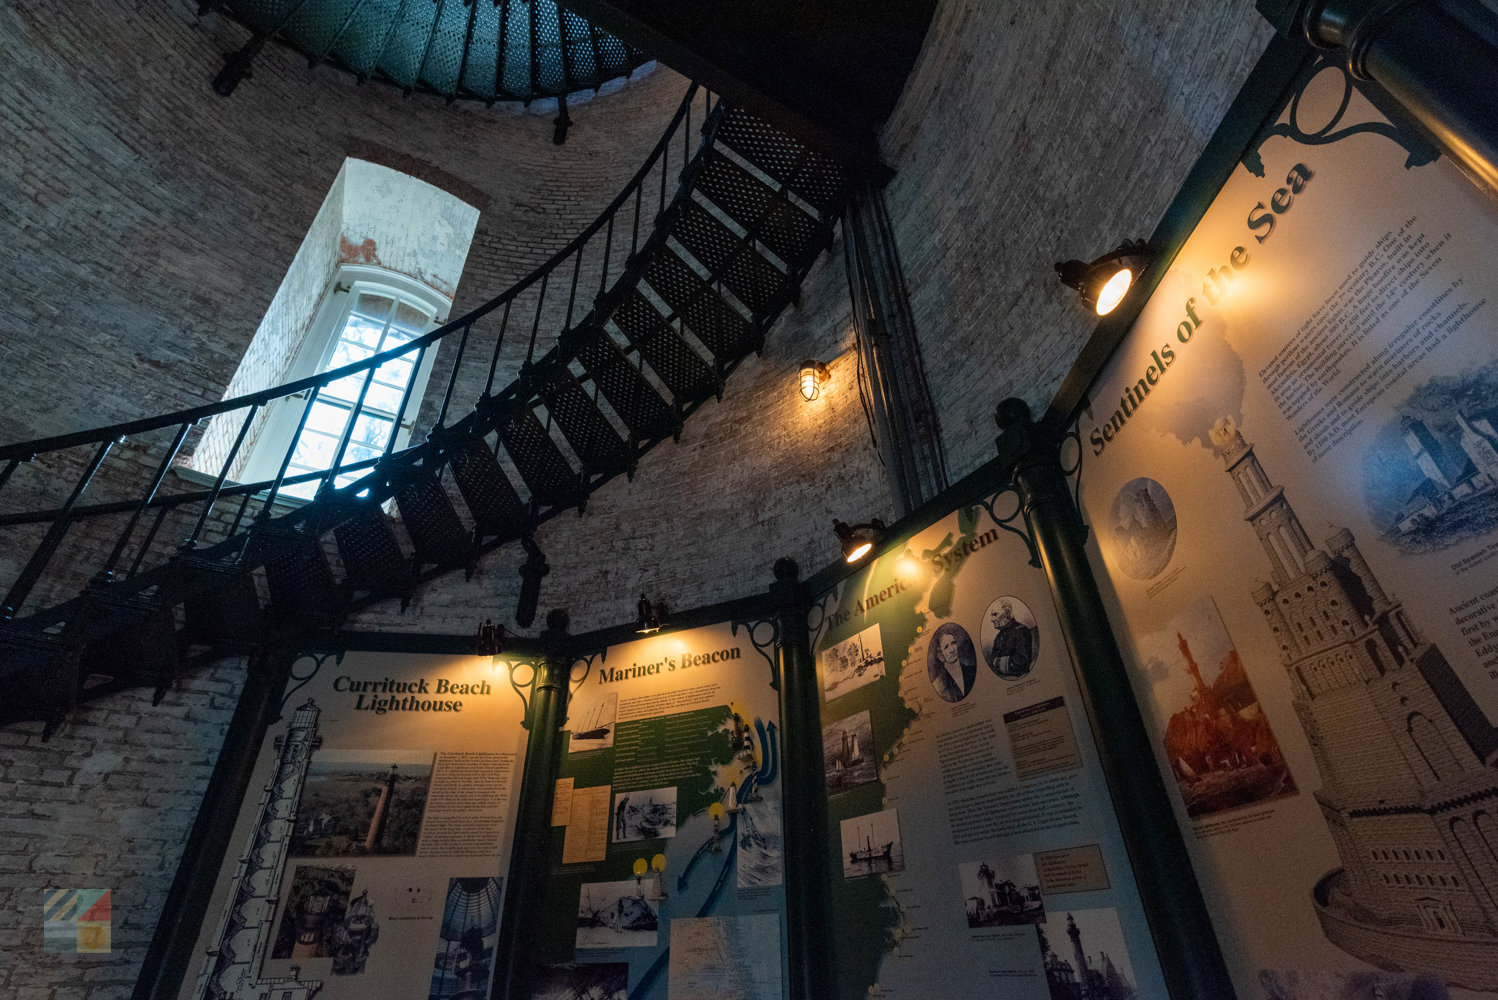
{"x": 692, "y": 269}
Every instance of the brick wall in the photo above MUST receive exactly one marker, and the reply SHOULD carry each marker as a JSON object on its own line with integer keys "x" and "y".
{"x": 1032, "y": 133}
{"x": 149, "y": 223}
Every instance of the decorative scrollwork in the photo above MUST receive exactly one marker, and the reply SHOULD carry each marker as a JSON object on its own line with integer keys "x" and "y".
{"x": 576, "y": 680}
{"x": 521, "y": 687}
{"x": 1420, "y": 152}
{"x": 302, "y": 678}
{"x": 818, "y": 610}
{"x": 1075, "y": 434}
{"x": 770, "y": 642}
{"x": 1004, "y": 522}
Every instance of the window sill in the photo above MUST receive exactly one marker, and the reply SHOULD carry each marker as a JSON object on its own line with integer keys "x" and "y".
{"x": 195, "y": 478}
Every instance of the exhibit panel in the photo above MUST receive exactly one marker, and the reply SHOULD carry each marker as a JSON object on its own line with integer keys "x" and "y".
{"x": 1290, "y": 471}
{"x": 371, "y": 849}
{"x": 975, "y": 851}
{"x": 665, "y": 873}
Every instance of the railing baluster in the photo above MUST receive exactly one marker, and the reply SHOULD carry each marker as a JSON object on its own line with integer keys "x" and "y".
{"x": 21, "y": 589}
{"x": 634, "y": 239}
{"x": 107, "y": 573}
{"x": 239, "y": 515}
{"x": 530, "y": 352}
{"x": 665, "y": 158}
{"x": 608, "y": 249}
{"x": 452, "y": 379}
{"x": 9, "y": 468}
{"x": 348, "y": 433}
{"x": 572, "y": 295}
{"x": 145, "y": 546}
{"x": 411, "y": 385}
{"x": 498, "y": 343}
{"x": 275, "y": 487}
{"x": 218, "y": 484}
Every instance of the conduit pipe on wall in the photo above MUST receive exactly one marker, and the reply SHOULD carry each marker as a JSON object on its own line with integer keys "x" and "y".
{"x": 1437, "y": 58}
{"x": 907, "y": 431}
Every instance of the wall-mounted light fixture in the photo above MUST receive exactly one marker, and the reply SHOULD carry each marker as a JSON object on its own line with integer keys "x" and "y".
{"x": 813, "y": 377}
{"x": 652, "y": 617}
{"x": 490, "y": 640}
{"x": 857, "y": 540}
{"x": 1104, "y": 282}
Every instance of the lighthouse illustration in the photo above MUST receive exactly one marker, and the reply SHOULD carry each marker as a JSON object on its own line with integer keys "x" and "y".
{"x": 1407, "y": 758}
{"x": 244, "y": 931}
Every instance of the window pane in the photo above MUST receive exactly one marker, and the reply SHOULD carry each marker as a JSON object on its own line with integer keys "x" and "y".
{"x": 383, "y": 397}
{"x": 313, "y": 452}
{"x": 408, "y": 317}
{"x": 303, "y": 491}
{"x": 325, "y": 418}
{"x": 346, "y": 388}
{"x": 369, "y": 430}
{"x": 376, "y": 307}
{"x": 363, "y": 331}
{"x": 394, "y": 372}
{"x": 345, "y": 353}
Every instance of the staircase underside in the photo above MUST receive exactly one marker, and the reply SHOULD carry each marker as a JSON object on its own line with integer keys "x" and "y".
{"x": 752, "y": 211}
{"x": 483, "y": 50}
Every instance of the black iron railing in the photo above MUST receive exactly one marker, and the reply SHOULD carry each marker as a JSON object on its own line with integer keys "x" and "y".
{"x": 623, "y": 213}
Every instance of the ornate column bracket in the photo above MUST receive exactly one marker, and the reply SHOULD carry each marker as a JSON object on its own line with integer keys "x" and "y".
{"x": 302, "y": 679}
{"x": 767, "y": 647}
{"x": 1436, "y": 58}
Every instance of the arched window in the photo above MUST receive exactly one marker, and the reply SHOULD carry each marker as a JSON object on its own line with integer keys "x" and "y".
{"x": 378, "y": 267}
{"x": 374, "y": 311}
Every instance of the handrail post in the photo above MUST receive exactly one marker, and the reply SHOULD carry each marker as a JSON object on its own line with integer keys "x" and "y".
{"x": 275, "y": 487}
{"x": 452, "y": 379}
{"x": 218, "y": 484}
{"x": 400, "y": 414}
{"x": 348, "y": 433}
{"x": 37, "y": 564}
{"x": 106, "y": 574}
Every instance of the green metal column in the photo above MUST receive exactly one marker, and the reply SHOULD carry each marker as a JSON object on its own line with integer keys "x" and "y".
{"x": 807, "y": 889}
{"x": 171, "y": 952}
{"x": 548, "y": 713}
{"x": 1190, "y": 956}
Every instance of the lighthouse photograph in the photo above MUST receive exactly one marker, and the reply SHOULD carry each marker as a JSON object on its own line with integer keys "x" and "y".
{"x": 357, "y": 803}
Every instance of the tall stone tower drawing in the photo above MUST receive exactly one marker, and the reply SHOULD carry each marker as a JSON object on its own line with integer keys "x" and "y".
{"x": 1407, "y": 758}
{"x": 231, "y": 969}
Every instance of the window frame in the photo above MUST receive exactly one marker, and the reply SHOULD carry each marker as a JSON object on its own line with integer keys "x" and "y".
{"x": 343, "y": 289}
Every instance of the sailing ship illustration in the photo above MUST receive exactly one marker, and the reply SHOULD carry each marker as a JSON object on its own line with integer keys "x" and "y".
{"x": 596, "y": 730}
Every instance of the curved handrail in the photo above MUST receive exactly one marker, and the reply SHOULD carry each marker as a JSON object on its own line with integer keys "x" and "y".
{"x": 27, "y": 450}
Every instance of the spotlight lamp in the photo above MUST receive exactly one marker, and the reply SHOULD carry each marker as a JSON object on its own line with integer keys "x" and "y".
{"x": 813, "y": 377}
{"x": 490, "y": 640}
{"x": 651, "y": 617}
{"x": 859, "y": 539}
{"x": 1103, "y": 283}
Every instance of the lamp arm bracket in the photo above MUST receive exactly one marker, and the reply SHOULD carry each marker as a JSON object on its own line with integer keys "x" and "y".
{"x": 318, "y": 659}
{"x": 816, "y": 617}
{"x": 770, "y": 642}
{"x": 1075, "y": 434}
{"x": 1007, "y": 522}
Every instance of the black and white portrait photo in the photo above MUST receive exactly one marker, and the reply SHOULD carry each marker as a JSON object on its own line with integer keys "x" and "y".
{"x": 951, "y": 662}
{"x": 1010, "y": 640}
